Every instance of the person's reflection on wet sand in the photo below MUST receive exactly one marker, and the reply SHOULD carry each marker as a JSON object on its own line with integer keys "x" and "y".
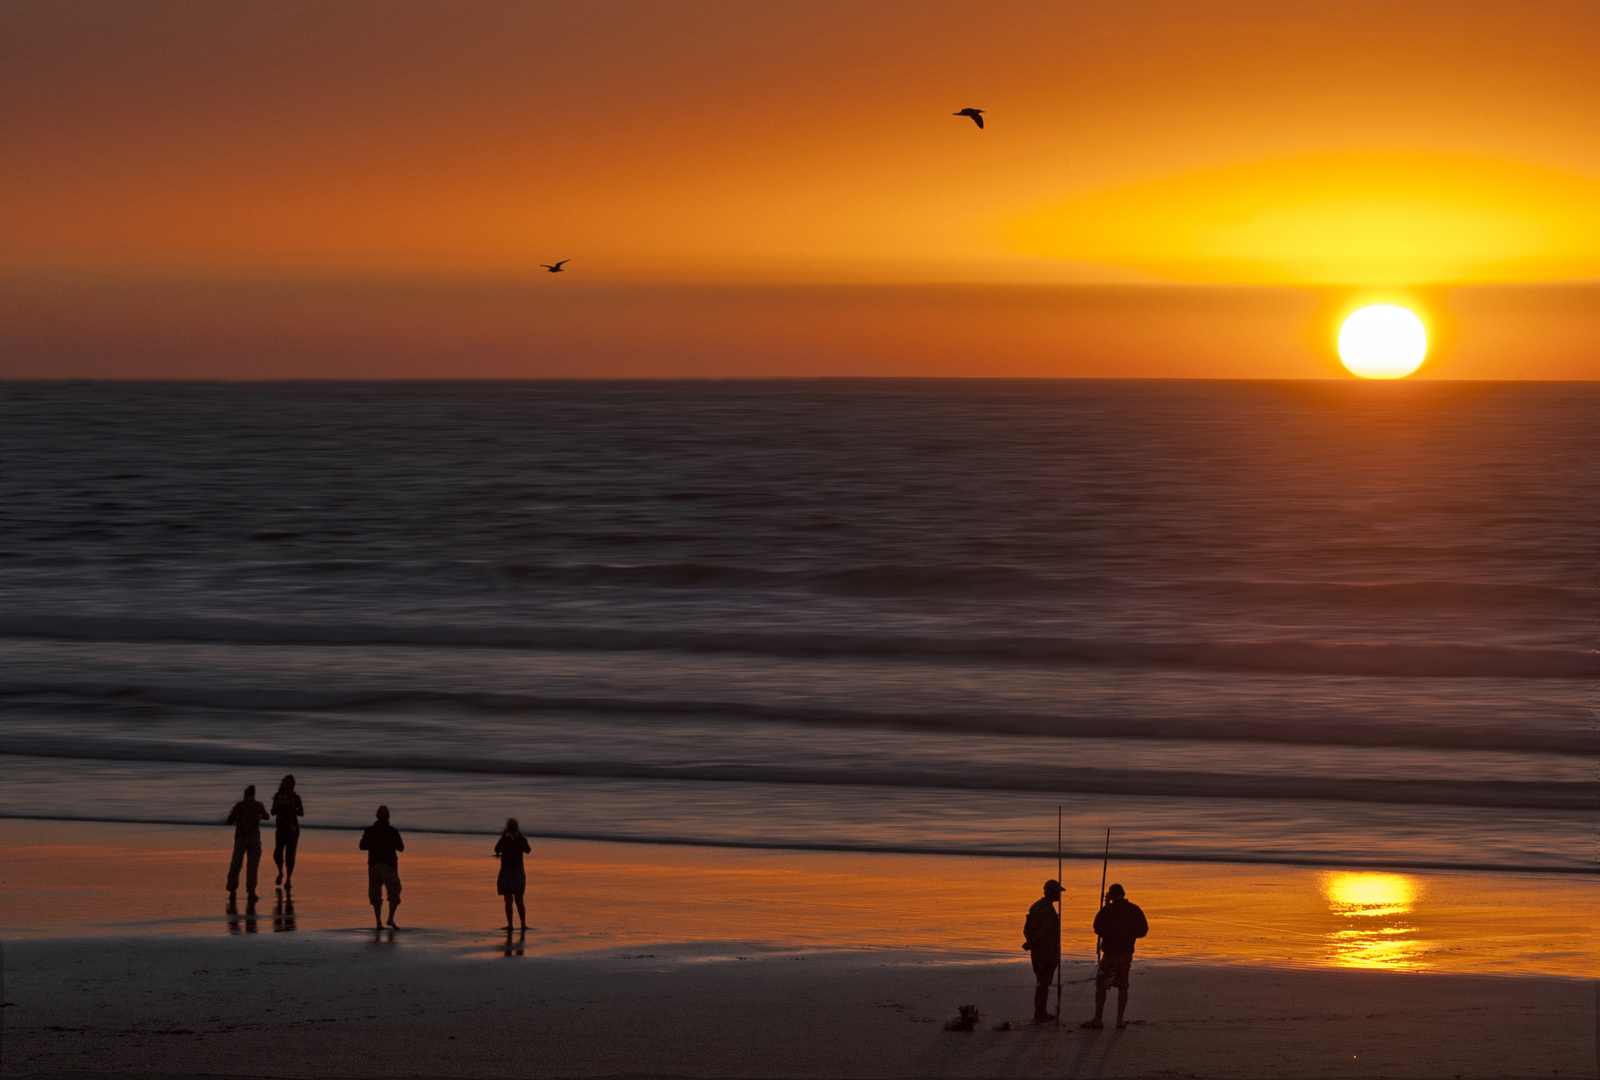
{"x": 283, "y": 913}
{"x": 248, "y": 926}
{"x": 514, "y": 941}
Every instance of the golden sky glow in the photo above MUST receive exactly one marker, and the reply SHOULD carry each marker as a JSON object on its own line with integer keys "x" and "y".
{"x": 1336, "y": 219}
{"x": 1134, "y": 144}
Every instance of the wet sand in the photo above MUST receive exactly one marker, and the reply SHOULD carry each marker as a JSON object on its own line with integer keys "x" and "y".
{"x": 362, "y": 1005}
{"x": 121, "y": 958}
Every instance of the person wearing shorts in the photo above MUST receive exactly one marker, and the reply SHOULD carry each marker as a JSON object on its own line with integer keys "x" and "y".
{"x": 513, "y": 880}
{"x": 381, "y": 841}
{"x": 1119, "y": 923}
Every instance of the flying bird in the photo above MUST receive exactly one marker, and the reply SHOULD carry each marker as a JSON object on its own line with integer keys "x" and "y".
{"x": 556, "y": 269}
{"x": 976, "y": 114}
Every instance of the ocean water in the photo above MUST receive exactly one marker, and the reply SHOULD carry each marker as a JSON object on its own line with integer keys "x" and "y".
{"x": 1329, "y": 623}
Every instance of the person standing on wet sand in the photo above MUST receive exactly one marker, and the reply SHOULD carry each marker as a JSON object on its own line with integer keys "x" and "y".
{"x": 287, "y": 811}
{"x": 513, "y": 881}
{"x": 246, "y": 818}
{"x": 1119, "y": 923}
{"x": 1041, "y": 937}
{"x": 381, "y": 841}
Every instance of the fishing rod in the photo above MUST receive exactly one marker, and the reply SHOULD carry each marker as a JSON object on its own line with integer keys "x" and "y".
{"x": 1104, "y": 863}
{"x": 1059, "y": 914}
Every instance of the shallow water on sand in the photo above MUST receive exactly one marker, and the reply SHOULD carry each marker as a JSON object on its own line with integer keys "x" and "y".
{"x": 74, "y": 878}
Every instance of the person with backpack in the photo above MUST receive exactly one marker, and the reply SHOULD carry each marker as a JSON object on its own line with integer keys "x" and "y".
{"x": 1119, "y": 923}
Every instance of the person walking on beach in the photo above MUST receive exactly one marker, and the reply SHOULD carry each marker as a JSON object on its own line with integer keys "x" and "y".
{"x": 381, "y": 841}
{"x": 1119, "y": 923}
{"x": 1041, "y": 937}
{"x": 513, "y": 881}
{"x": 246, "y": 818}
{"x": 287, "y": 811}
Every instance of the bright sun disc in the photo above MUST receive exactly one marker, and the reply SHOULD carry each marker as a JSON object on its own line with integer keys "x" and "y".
{"x": 1384, "y": 341}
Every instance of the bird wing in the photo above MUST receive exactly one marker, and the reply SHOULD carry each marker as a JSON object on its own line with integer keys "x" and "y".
{"x": 976, "y": 119}
{"x": 562, "y": 263}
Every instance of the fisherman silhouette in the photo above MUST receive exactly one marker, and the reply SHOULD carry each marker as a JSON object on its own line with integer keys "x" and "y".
{"x": 976, "y": 114}
{"x": 246, "y": 818}
{"x": 381, "y": 841}
{"x": 513, "y": 880}
{"x": 1119, "y": 924}
{"x": 1041, "y": 937}
{"x": 287, "y": 810}
{"x": 556, "y": 269}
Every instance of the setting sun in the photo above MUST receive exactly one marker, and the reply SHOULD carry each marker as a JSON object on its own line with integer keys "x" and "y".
{"x": 1383, "y": 341}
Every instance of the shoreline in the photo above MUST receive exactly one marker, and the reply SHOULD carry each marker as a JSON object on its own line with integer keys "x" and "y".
{"x": 1199, "y": 859}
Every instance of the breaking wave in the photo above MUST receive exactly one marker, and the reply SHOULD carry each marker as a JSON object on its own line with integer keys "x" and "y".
{"x": 1441, "y": 660}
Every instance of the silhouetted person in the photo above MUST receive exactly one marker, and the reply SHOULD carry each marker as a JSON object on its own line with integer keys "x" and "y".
{"x": 381, "y": 841}
{"x": 246, "y": 818}
{"x": 1041, "y": 937}
{"x": 556, "y": 269}
{"x": 287, "y": 810}
{"x": 513, "y": 881}
{"x": 1119, "y": 924}
{"x": 976, "y": 114}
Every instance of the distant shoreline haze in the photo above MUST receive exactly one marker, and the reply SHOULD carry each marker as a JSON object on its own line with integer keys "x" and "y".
{"x": 243, "y": 327}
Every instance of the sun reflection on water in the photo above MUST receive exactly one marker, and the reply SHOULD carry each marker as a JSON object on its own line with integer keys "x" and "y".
{"x": 1377, "y": 936}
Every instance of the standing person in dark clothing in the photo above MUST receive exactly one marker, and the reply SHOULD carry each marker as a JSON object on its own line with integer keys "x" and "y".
{"x": 381, "y": 841}
{"x": 513, "y": 881}
{"x": 1119, "y": 924}
{"x": 287, "y": 811}
{"x": 1041, "y": 937}
{"x": 246, "y": 818}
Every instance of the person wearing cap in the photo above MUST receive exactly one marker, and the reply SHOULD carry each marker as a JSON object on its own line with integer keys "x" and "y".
{"x": 1041, "y": 937}
{"x": 1119, "y": 923}
{"x": 381, "y": 841}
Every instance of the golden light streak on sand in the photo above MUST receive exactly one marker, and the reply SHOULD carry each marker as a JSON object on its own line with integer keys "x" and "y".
{"x": 74, "y": 878}
{"x": 1377, "y": 937}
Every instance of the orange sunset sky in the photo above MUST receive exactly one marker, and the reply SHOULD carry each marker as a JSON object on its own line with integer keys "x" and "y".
{"x": 1190, "y": 188}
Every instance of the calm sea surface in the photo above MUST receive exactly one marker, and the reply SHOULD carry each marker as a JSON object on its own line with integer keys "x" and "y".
{"x": 1315, "y": 622}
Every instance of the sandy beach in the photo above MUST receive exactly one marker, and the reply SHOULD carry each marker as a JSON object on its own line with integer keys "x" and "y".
{"x": 355, "y": 1006}
{"x": 123, "y": 958}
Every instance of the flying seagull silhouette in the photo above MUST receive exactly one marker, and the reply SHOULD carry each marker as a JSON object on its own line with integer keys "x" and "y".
{"x": 556, "y": 269}
{"x": 976, "y": 114}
